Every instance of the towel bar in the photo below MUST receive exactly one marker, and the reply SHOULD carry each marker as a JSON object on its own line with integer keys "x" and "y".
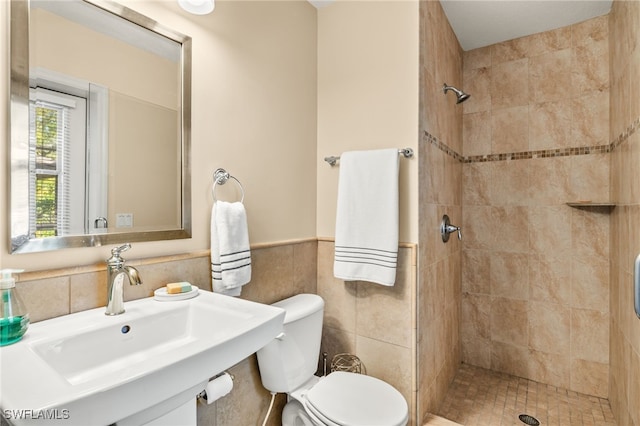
{"x": 220, "y": 177}
{"x": 332, "y": 160}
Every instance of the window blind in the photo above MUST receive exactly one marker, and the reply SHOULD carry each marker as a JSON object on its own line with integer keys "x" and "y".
{"x": 49, "y": 144}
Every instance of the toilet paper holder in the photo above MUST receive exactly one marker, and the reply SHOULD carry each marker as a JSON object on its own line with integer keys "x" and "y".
{"x": 203, "y": 395}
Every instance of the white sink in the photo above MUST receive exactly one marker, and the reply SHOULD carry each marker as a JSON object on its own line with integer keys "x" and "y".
{"x": 89, "y": 368}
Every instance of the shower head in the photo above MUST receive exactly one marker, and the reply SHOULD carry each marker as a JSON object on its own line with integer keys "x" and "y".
{"x": 460, "y": 95}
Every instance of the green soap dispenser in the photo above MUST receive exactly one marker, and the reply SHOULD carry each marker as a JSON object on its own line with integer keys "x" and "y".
{"x": 14, "y": 319}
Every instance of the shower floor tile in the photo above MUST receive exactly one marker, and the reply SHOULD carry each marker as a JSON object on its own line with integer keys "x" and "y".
{"x": 480, "y": 397}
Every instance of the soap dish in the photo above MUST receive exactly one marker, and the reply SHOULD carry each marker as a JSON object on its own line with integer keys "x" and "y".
{"x": 162, "y": 295}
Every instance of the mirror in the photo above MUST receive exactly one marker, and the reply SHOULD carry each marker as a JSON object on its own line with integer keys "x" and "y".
{"x": 99, "y": 126}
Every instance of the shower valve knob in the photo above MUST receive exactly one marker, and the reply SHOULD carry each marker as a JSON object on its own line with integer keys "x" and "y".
{"x": 447, "y": 228}
{"x": 457, "y": 228}
{"x": 451, "y": 229}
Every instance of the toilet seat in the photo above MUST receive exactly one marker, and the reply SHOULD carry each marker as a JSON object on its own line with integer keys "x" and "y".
{"x": 350, "y": 399}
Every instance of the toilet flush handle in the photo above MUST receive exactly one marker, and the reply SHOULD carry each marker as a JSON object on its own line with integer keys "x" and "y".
{"x": 281, "y": 336}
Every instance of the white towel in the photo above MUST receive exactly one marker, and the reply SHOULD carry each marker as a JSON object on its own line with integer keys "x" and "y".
{"x": 367, "y": 217}
{"x": 230, "y": 251}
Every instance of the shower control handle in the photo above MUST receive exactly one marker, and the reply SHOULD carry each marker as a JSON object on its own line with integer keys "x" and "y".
{"x": 451, "y": 229}
{"x": 447, "y": 228}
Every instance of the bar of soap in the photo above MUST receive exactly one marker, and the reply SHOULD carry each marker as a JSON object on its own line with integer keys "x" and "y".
{"x": 177, "y": 288}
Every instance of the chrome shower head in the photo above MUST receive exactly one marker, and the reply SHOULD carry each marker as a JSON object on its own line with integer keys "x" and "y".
{"x": 460, "y": 95}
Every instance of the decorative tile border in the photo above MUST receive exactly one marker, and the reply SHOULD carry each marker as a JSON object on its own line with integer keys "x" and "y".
{"x": 442, "y": 146}
{"x": 545, "y": 153}
{"x": 625, "y": 135}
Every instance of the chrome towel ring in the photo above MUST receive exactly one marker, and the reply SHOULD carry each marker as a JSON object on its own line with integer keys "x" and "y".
{"x": 220, "y": 177}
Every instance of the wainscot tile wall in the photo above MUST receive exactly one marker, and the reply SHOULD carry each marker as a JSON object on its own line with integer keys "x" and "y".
{"x": 375, "y": 322}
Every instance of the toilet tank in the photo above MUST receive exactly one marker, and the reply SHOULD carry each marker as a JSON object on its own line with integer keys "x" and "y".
{"x": 290, "y": 360}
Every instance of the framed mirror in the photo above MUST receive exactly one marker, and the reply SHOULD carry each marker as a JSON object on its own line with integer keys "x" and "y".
{"x": 100, "y": 116}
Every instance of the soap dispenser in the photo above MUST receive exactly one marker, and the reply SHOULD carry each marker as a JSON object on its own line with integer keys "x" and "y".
{"x": 14, "y": 319}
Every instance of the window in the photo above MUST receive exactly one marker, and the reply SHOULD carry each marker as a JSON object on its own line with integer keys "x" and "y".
{"x": 56, "y": 186}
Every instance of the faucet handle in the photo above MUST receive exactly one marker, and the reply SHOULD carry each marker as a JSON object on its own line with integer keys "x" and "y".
{"x": 115, "y": 252}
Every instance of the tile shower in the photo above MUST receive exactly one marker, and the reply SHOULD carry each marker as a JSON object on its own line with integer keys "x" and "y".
{"x": 545, "y": 287}
{"x": 535, "y": 271}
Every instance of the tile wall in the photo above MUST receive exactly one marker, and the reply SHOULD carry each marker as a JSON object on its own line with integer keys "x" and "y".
{"x": 440, "y": 192}
{"x": 278, "y": 271}
{"x": 374, "y": 322}
{"x": 624, "y": 377}
{"x": 535, "y": 274}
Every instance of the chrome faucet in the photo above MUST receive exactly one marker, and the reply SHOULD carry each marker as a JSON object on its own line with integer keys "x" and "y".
{"x": 116, "y": 271}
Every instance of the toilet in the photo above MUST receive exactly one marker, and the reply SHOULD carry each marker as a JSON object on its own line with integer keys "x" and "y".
{"x": 288, "y": 363}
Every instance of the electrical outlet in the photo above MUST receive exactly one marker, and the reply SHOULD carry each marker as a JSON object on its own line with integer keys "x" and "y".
{"x": 124, "y": 220}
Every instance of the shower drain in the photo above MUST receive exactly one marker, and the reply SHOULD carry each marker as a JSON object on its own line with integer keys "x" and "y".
{"x": 529, "y": 420}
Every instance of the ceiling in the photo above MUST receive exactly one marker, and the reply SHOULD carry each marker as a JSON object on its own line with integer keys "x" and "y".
{"x": 479, "y": 23}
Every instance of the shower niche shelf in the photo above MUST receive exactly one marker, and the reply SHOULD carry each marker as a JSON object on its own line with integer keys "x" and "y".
{"x": 584, "y": 204}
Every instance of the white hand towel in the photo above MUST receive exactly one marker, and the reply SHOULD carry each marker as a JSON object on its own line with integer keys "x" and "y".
{"x": 367, "y": 217}
{"x": 230, "y": 251}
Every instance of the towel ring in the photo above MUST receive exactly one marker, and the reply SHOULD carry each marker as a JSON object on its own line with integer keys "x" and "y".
{"x": 220, "y": 177}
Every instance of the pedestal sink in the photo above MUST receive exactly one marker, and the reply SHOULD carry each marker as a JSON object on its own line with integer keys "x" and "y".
{"x": 88, "y": 368}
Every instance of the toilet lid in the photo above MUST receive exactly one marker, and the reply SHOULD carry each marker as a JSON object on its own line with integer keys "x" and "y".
{"x": 350, "y": 399}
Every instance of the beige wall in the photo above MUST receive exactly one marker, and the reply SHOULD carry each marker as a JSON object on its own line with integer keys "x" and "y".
{"x": 254, "y": 113}
{"x": 624, "y": 375}
{"x": 440, "y": 192}
{"x": 535, "y": 277}
{"x": 367, "y": 96}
